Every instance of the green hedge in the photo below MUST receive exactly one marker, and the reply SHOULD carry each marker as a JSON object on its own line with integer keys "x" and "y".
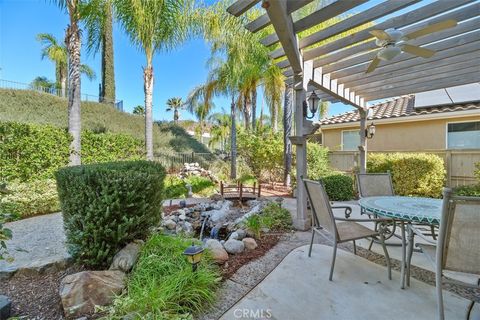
{"x": 339, "y": 187}
{"x": 26, "y": 199}
{"x": 31, "y": 152}
{"x": 413, "y": 174}
{"x": 107, "y": 205}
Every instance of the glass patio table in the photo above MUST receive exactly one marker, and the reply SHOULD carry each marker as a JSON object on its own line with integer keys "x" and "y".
{"x": 404, "y": 210}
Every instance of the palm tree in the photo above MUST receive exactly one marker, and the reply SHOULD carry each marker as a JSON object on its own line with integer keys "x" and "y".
{"x": 57, "y": 53}
{"x": 98, "y": 19}
{"x": 42, "y": 83}
{"x": 219, "y": 132}
{"x": 175, "y": 104}
{"x": 73, "y": 44}
{"x": 139, "y": 110}
{"x": 153, "y": 26}
{"x": 273, "y": 85}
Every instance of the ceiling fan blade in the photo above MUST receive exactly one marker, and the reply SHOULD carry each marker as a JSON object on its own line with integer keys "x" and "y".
{"x": 430, "y": 29}
{"x": 418, "y": 51}
{"x": 380, "y": 34}
{"x": 373, "y": 65}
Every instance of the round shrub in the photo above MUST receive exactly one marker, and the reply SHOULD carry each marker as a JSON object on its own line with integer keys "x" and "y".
{"x": 413, "y": 174}
{"x": 339, "y": 187}
{"x": 107, "y": 205}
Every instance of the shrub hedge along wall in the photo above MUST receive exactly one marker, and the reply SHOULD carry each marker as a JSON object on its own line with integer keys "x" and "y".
{"x": 107, "y": 205}
{"x": 413, "y": 174}
{"x": 31, "y": 152}
{"x": 339, "y": 187}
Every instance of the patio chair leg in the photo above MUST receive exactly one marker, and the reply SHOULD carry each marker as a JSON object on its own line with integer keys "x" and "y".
{"x": 311, "y": 242}
{"x": 354, "y": 248}
{"x": 438, "y": 285}
{"x": 370, "y": 245}
{"x": 432, "y": 229}
{"x": 333, "y": 260}
{"x": 387, "y": 257}
{"x": 409, "y": 254}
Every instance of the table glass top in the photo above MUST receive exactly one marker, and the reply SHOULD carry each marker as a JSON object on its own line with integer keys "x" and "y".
{"x": 424, "y": 210}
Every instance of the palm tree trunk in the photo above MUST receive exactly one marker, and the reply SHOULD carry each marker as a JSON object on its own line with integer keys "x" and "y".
{"x": 247, "y": 104}
{"x": 233, "y": 144}
{"x": 63, "y": 80}
{"x": 274, "y": 118}
{"x": 287, "y": 130}
{"x": 175, "y": 116}
{"x": 254, "y": 109}
{"x": 74, "y": 86}
{"x": 108, "y": 71}
{"x": 148, "y": 89}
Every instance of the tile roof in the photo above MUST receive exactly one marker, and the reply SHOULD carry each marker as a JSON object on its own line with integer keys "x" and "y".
{"x": 400, "y": 107}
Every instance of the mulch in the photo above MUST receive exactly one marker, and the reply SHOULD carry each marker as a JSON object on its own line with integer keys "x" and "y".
{"x": 235, "y": 262}
{"x": 36, "y": 296}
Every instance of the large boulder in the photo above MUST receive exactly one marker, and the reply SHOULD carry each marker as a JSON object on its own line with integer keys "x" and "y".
{"x": 81, "y": 292}
{"x": 5, "y": 307}
{"x": 125, "y": 259}
{"x": 216, "y": 249}
{"x": 250, "y": 243}
{"x": 234, "y": 246}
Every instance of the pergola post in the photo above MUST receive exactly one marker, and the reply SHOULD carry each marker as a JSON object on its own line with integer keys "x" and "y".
{"x": 302, "y": 221}
{"x": 363, "y": 141}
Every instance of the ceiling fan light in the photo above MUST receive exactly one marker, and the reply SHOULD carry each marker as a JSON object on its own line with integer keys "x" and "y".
{"x": 388, "y": 53}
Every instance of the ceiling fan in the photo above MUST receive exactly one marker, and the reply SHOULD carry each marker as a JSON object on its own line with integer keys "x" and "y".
{"x": 393, "y": 42}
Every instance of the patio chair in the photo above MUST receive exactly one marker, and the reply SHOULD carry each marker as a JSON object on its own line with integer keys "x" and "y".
{"x": 375, "y": 185}
{"x": 458, "y": 246}
{"x": 342, "y": 229}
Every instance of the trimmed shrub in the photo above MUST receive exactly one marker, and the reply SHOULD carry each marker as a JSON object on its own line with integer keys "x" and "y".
{"x": 470, "y": 191}
{"x": 107, "y": 205}
{"x": 339, "y": 187}
{"x": 413, "y": 174}
{"x": 31, "y": 152}
{"x": 30, "y": 198}
{"x": 317, "y": 161}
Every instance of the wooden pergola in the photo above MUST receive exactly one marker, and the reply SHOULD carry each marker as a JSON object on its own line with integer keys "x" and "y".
{"x": 337, "y": 68}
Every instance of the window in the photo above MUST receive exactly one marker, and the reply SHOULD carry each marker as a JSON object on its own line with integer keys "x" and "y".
{"x": 350, "y": 140}
{"x": 463, "y": 135}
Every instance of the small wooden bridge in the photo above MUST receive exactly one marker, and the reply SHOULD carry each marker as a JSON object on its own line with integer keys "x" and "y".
{"x": 239, "y": 191}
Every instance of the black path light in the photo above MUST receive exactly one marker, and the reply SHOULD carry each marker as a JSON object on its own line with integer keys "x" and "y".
{"x": 194, "y": 255}
{"x": 311, "y": 105}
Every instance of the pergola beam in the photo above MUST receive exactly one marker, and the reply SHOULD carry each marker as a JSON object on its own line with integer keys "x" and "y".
{"x": 263, "y": 21}
{"x": 283, "y": 25}
{"x": 241, "y": 6}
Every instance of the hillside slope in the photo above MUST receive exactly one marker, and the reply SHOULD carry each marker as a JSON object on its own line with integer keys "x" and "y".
{"x": 33, "y": 107}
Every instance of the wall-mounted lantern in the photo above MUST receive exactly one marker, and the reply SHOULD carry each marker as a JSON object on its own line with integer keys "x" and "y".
{"x": 370, "y": 131}
{"x": 311, "y": 105}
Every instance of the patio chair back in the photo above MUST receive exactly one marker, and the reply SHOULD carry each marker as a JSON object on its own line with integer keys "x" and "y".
{"x": 374, "y": 184}
{"x": 322, "y": 211}
{"x": 458, "y": 245}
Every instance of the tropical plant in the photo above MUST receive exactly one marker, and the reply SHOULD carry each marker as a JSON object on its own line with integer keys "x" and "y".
{"x": 139, "y": 110}
{"x": 42, "y": 83}
{"x": 98, "y": 19}
{"x": 219, "y": 131}
{"x": 153, "y": 26}
{"x": 175, "y": 104}
{"x": 57, "y": 53}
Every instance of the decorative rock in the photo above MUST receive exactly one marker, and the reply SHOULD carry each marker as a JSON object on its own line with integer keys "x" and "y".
{"x": 182, "y": 203}
{"x": 235, "y": 236}
{"x": 5, "y": 307}
{"x": 80, "y": 292}
{"x": 222, "y": 242}
{"x": 125, "y": 259}
{"x": 188, "y": 228}
{"x": 182, "y": 217}
{"x": 241, "y": 234}
{"x": 218, "y": 252}
{"x": 170, "y": 224}
{"x": 250, "y": 243}
{"x": 234, "y": 246}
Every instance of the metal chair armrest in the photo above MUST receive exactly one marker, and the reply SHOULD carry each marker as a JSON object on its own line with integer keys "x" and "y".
{"x": 420, "y": 234}
{"x": 348, "y": 210}
{"x": 365, "y": 220}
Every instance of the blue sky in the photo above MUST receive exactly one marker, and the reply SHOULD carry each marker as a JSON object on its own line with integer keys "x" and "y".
{"x": 176, "y": 72}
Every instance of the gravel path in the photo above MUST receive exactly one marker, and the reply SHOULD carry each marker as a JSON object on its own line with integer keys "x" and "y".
{"x": 37, "y": 245}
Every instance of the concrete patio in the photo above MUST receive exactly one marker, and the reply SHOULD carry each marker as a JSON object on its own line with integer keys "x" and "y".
{"x": 298, "y": 288}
